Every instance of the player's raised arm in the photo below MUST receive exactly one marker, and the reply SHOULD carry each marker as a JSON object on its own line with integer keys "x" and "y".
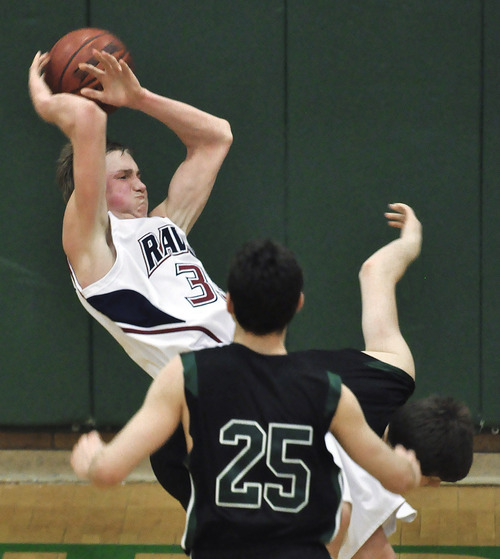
{"x": 378, "y": 277}
{"x": 207, "y": 139}
{"x": 84, "y": 123}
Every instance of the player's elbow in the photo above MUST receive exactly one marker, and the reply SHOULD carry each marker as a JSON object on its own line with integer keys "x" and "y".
{"x": 225, "y": 135}
{"x": 369, "y": 268}
{"x": 215, "y": 147}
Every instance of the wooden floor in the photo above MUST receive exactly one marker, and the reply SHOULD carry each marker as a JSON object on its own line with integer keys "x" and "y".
{"x": 452, "y": 515}
{"x": 142, "y": 513}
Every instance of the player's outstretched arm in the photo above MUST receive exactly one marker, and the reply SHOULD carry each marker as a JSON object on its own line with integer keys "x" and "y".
{"x": 397, "y": 469}
{"x": 378, "y": 277}
{"x": 84, "y": 123}
{"x": 162, "y": 410}
{"x": 207, "y": 138}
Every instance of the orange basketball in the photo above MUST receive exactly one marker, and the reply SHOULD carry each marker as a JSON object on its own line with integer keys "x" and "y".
{"x": 62, "y": 73}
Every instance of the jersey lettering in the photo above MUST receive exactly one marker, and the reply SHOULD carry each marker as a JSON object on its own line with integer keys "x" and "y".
{"x": 156, "y": 250}
{"x": 234, "y": 485}
{"x": 198, "y": 281}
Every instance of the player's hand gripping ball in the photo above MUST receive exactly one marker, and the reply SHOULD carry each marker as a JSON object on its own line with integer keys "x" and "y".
{"x": 62, "y": 73}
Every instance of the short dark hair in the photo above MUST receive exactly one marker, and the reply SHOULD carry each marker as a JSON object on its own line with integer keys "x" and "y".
{"x": 440, "y": 430}
{"x": 64, "y": 168}
{"x": 265, "y": 282}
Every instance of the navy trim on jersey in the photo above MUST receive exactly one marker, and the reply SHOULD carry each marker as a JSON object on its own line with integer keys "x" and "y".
{"x": 130, "y": 307}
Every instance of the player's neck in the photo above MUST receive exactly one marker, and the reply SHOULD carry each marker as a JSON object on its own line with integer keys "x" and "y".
{"x": 270, "y": 344}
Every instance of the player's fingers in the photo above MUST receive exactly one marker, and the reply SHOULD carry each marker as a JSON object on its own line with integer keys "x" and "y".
{"x": 39, "y": 61}
{"x": 91, "y": 93}
{"x": 44, "y": 58}
{"x": 91, "y": 69}
{"x": 124, "y": 65}
{"x": 399, "y": 206}
{"x": 108, "y": 61}
{"x": 34, "y": 63}
{"x": 394, "y": 216}
{"x": 396, "y": 224}
{"x": 395, "y": 219}
{"x": 127, "y": 70}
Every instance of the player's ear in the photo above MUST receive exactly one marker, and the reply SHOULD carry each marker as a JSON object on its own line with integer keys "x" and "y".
{"x": 300, "y": 304}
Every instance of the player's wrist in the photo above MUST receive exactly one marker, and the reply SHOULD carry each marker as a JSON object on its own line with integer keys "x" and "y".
{"x": 138, "y": 99}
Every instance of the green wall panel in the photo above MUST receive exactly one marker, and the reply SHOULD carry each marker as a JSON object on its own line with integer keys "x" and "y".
{"x": 384, "y": 101}
{"x": 44, "y": 336}
{"x": 337, "y": 108}
{"x": 490, "y": 268}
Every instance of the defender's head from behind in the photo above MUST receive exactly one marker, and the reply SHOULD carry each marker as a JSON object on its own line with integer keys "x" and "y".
{"x": 440, "y": 430}
{"x": 265, "y": 286}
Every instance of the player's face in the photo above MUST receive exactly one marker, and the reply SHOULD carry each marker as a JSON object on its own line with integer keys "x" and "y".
{"x": 126, "y": 194}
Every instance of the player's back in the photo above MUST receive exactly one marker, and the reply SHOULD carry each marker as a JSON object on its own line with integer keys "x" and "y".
{"x": 264, "y": 483}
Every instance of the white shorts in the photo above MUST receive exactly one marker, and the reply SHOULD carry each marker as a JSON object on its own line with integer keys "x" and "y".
{"x": 372, "y": 505}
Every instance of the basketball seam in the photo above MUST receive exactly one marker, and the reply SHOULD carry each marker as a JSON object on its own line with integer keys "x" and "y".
{"x": 75, "y": 53}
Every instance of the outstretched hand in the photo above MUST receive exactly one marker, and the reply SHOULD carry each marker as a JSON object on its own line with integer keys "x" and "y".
{"x": 404, "y": 218}
{"x": 120, "y": 86}
{"x": 84, "y": 451}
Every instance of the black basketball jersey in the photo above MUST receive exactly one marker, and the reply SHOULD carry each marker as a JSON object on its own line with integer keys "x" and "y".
{"x": 263, "y": 480}
{"x": 380, "y": 388}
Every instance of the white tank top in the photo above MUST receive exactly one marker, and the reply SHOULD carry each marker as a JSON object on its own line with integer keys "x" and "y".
{"x": 157, "y": 300}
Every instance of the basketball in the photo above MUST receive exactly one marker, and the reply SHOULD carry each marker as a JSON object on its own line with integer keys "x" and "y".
{"x": 62, "y": 74}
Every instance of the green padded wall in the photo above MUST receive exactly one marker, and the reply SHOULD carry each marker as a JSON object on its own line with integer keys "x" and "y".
{"x": 337, "y": 108}
{"x": 384, "y": 101}
{"x": 490, "y": 262}
{"x": 44, "y": 336}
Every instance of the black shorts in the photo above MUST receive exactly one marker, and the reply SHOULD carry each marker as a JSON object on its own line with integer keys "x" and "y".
{"x": 169, "y": 467}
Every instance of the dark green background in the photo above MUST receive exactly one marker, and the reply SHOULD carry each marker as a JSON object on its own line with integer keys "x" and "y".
{"x": 337, "y": 108}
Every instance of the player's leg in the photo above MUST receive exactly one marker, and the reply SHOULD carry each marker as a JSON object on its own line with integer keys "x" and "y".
{"x": 334, "y": 546}
{"x": 377, "y": 546}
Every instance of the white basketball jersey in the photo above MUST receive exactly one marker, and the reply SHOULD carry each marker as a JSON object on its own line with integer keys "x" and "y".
{"x": 157, "y": 300}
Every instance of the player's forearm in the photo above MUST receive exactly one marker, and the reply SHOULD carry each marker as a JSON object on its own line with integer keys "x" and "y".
{"x": 193, "y": 126}
{"x": 98, "y": 462}
{"x": 80, "y": 120}
{"x": 399, "y": 476}
{"x": 398, "y": 471}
